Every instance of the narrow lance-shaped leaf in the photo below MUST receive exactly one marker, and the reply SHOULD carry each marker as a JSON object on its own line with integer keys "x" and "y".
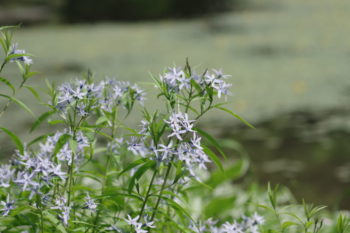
{"x": 34, "y": 92}
{"x": 19, "y": 103}
{"x": 61, "y": 142}
{"x": 211, "y": 140}
{"x": 219, "y": 205}
{"x": 15, "y": 139}
{"x": 9, "y": 27}
{"x": 140, "y": 171}
{"x": 213, "y": 157}
{"x": 181, "y": 212}
{"x": 38, "y": 139}
{"x": 14, "y": 56}
{"x": 41, "y": 118}
{"x": 8, "y": 83}
{"x": 134, "y": 164}
{"x": 236, "y": 116}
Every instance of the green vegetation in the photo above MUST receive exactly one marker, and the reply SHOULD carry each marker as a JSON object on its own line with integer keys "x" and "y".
{"x": 94, "y": 173}
{"x": 283, "y": 55}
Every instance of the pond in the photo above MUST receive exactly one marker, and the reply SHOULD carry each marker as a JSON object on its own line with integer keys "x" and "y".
{"x": 307, "y": 152}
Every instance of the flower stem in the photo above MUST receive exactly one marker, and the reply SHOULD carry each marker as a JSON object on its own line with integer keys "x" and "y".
{"x": 148, "y": 192}
{"x": 162, "y": 188}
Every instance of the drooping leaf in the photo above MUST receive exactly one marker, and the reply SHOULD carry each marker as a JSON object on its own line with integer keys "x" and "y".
{"x": 19, "y": 103}
{"x": 34, "y": 92}
{"x": 237, "y": 170}
{"x": 213, "y": 157}
{"x": 181, "y": 212}
{"x": 15, "y": 139}
{"x": 218, "y": 206}
{"x": 38, "y": 139}
{"x": 8, "y": 83}
{"x": 134, "y": 164}
{"x": 55, "y": 122}
{"x": 40, "y": 119}
{"x": 139, "y": 172}
{"x": 212, "y": 141}
{"x": 236, "y": 116}
{"x": 61, "y": 142}
{"x": 17, "y": 55}
{"x": 9, "y": 27}
{"x": 58, "y": 225}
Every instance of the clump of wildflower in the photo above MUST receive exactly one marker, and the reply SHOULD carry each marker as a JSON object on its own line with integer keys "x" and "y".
{"x": 188, "y": 151}
{"x": 176, "y": 80}
{"x": 246, "y": 225}
{"x": 87, "y": 97}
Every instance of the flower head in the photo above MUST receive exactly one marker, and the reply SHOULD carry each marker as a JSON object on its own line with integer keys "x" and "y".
{"x": 7, "y": 206}
{"x": 14, "y": 51}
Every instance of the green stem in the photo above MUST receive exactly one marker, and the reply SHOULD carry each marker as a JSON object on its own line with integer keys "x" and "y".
{"x": 2, "y": 66}
{"x": 10, "y": 100}
{"x": 106, "y": 166}
{"x": 162, "y": 188}
{"x": 148, "y": 192}
{"x": 71, "y": 168}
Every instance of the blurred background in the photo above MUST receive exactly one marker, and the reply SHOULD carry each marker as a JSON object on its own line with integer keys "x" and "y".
{"x": 289, "y": 61}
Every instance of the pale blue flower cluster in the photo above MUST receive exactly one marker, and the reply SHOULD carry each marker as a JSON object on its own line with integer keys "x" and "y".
{"x": 184, "y": 144}
{"x": 246, "y": 225}
{"x": 33, "y": 171}
{"x": 177, "y": 80}
{"x": 87, "y": 97}
{"x": 138, "y": 226}
{"x": 14, "y": 51}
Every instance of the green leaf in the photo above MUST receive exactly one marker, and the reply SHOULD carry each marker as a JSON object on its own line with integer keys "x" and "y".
{"x": 181, "y": 212}
{"x": 8, "y": 27}
{"x": 191, "y": 108}
{"x": 91, "y": 175}
{"x": 34, "y": 92}
{"x": 102, "y": 119}
{"x": 213, "y": 157}
{"x": 55, "y": 122}
{"x": 8, "y": 83}
{"x": 15, "y": 139}
{"x": 134, "y": 164}
{"x": 196, "y": 86}
{"x": 211, "y": 140}
{"x": 20, "y": 103}
{"x": 140, "y": 171}
{"x": 113, "y": 192}
{"x": 38, "y": 139}
{"x": 61, "y": 142}
{"x": 287, "y": 224}
{"x": 17, "y": 55}
{"x": 58, "y": 225}
{"x": 40, "y": 119}
{"x": 73, "y": 145}
{"x": 296, "y": 217}
{"x": 234, "y": 172}
{"x": 236, "y": 116}
{"x": 266, "y": 207}
{"x": 30, "y": 74}
{"x": 218, "y": 206}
